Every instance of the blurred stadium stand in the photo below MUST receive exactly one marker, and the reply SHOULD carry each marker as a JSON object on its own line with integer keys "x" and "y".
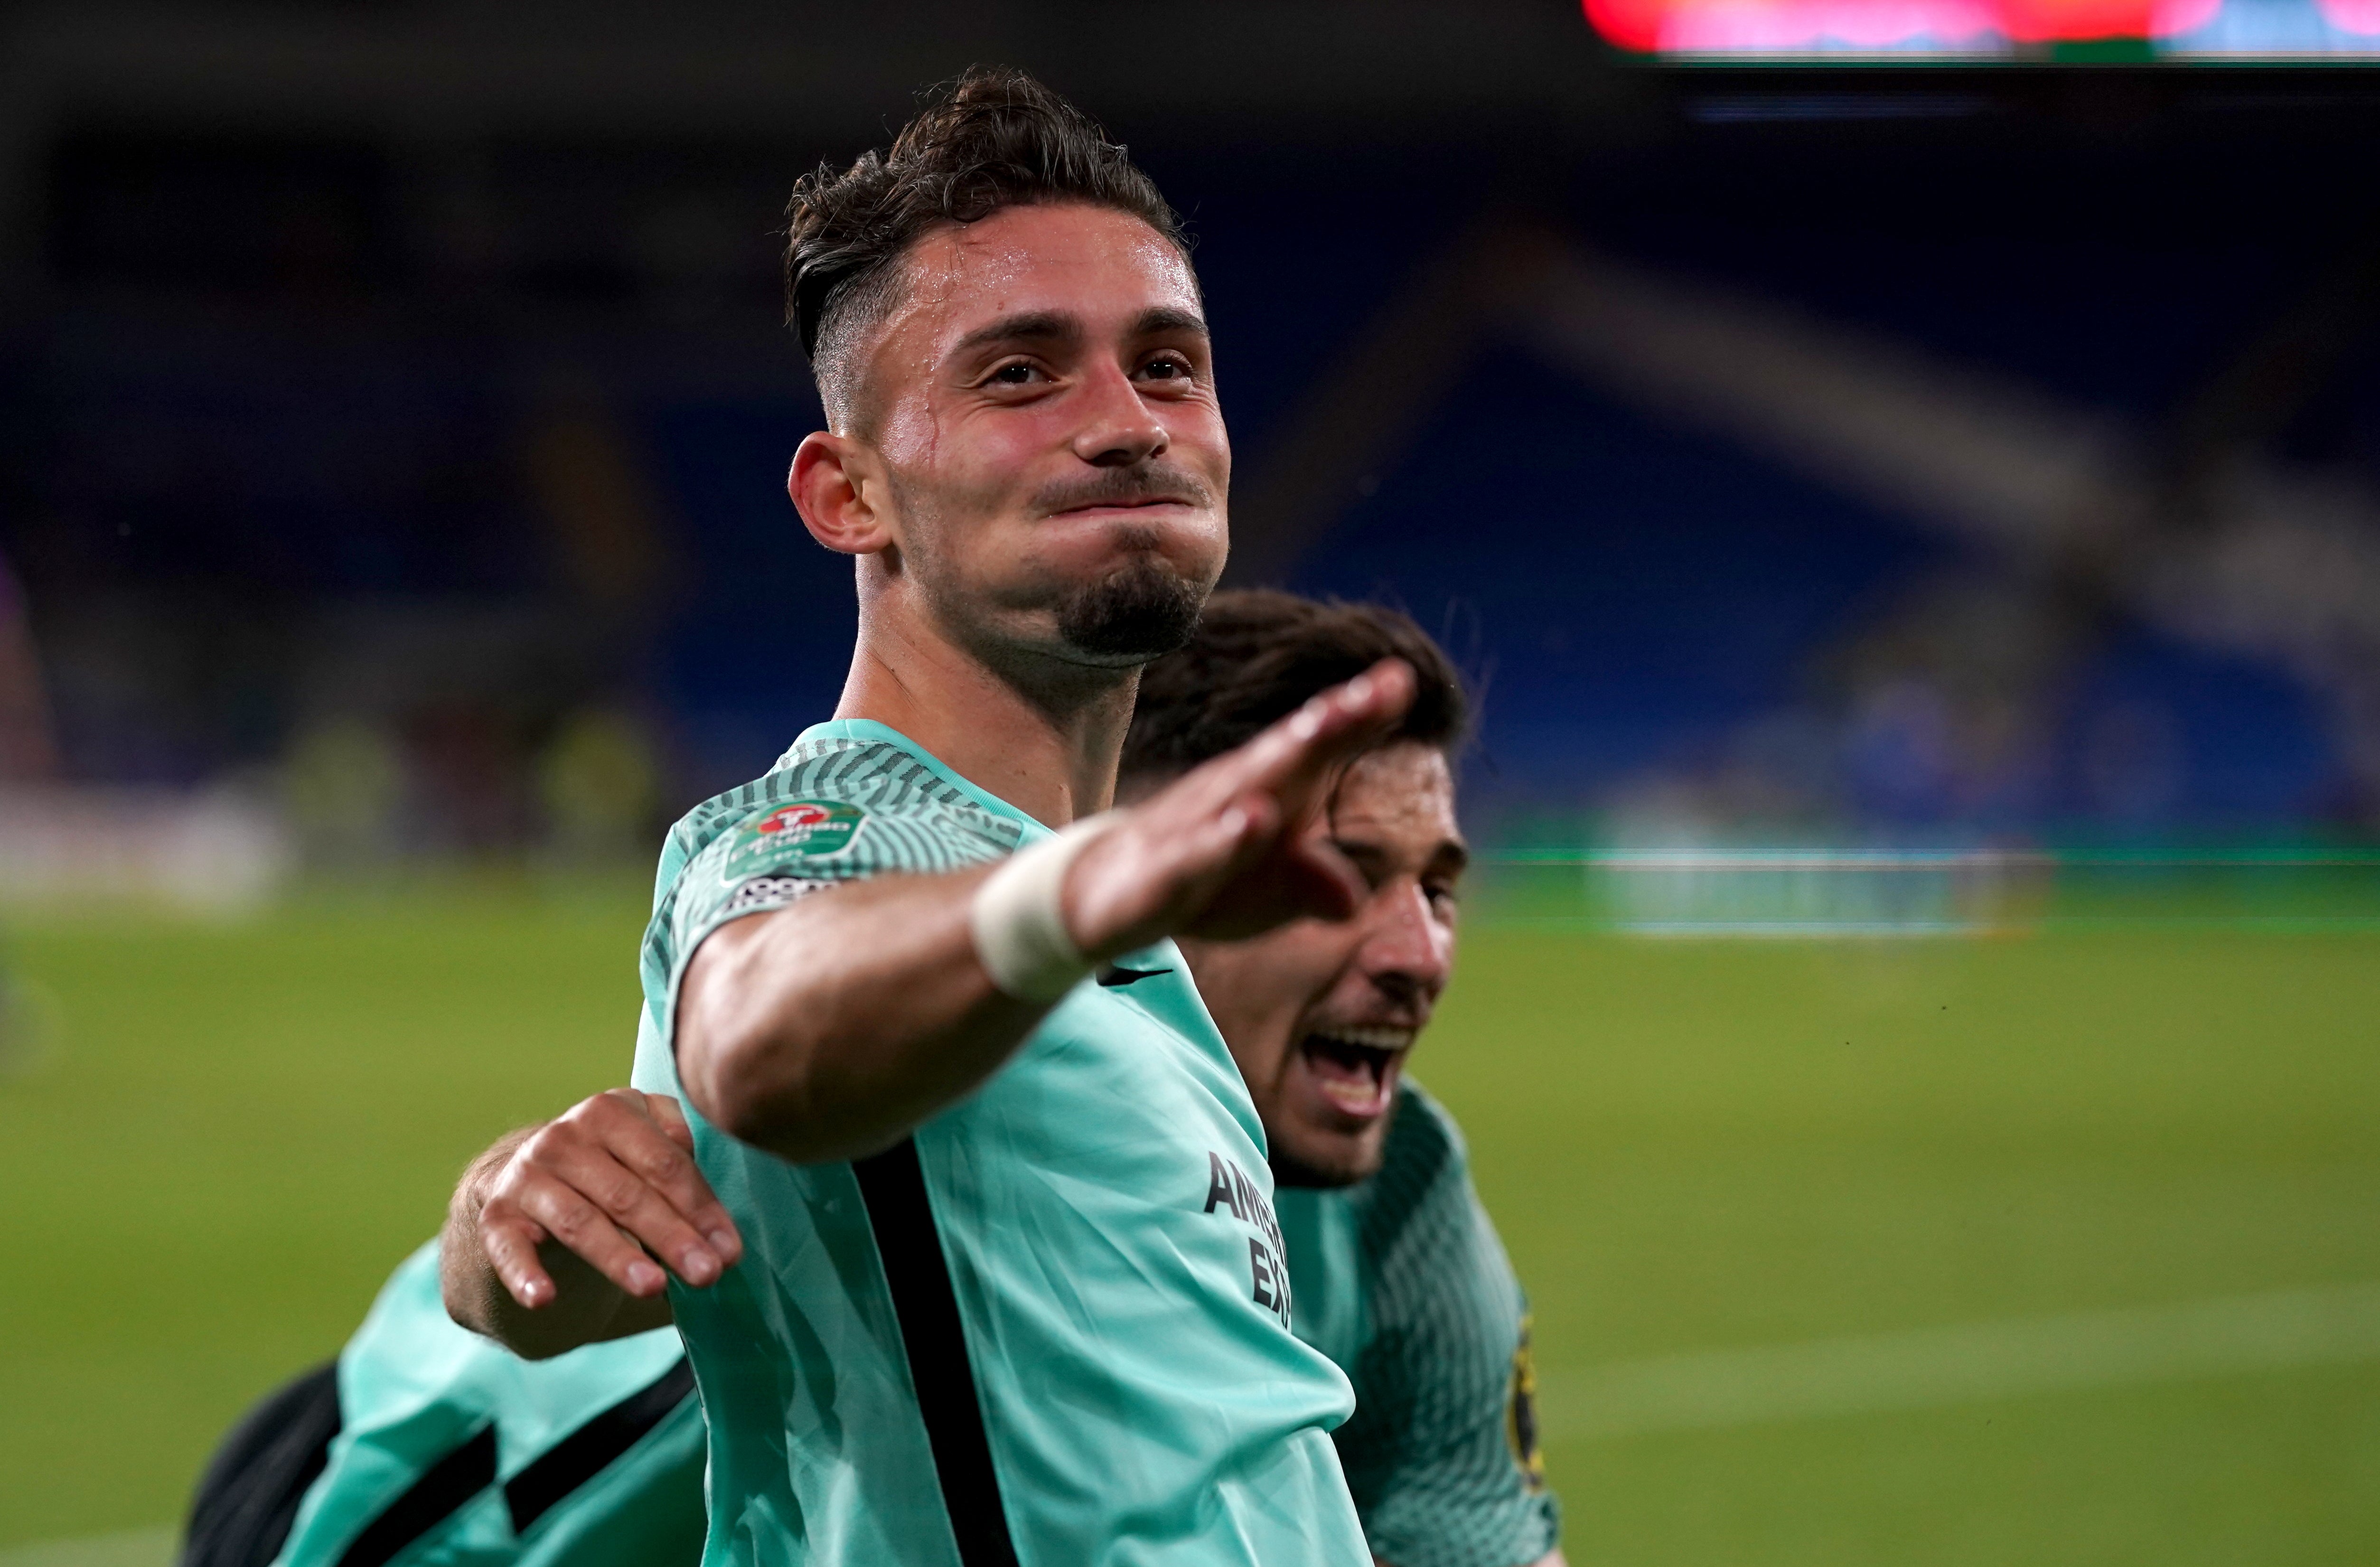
{"x": 393, "y": 411}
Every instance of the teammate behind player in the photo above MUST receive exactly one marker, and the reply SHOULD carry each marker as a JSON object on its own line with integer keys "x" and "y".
{"x": 1394, "y": 1271}
{"x": 1397, "y": 1275}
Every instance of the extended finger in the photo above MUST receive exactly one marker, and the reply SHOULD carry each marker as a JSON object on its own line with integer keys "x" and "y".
{"x": 1294, "y": 752}
{"x": 1171, "y": 857}
{"x": 1194, "y": 865}
{"x": 1322, "y": 881}
{"x": 510, "y": 1244}
{"x": 1279, "y": 878}
{"x": 569, "y": 1216}
{"x": 1355, "y": 717}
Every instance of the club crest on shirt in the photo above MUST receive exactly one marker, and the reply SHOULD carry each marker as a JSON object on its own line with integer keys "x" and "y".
{"x": 797, "y": 830}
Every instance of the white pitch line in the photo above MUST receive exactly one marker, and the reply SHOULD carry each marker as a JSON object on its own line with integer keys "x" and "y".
{"x": 1931, "y": 1366}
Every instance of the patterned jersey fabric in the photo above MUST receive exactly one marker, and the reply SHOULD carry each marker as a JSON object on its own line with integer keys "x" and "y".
{"x": 1051, "y": 1326}
{"x": 1402, "y": 1280}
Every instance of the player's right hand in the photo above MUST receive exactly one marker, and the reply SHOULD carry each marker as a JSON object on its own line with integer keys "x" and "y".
{"x": 1221, "y": 852}
{"x": 613, "y": 1180}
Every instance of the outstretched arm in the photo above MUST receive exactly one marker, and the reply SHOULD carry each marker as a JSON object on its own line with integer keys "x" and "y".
{"x": 827, "y": 1029}
{"x": 551, "y": 1233}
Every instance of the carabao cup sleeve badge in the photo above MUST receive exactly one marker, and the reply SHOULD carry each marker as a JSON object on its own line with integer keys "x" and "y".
{"x": 797, "y": 830}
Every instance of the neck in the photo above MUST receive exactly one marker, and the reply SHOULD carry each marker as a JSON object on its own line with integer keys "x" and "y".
{"x": 1051, "y": 753}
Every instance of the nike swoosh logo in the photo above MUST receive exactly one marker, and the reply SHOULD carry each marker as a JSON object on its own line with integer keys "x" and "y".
{"x": 1113, "y": 977}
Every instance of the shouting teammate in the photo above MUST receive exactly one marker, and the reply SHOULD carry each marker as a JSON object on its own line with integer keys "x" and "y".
{"x": 1394, "y": 1271}
{"x": 1397, "y": 1275}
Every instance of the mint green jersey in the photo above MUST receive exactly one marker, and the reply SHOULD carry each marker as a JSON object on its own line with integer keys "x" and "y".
{"x": 452, "y": 1453}
{"x": 1052, "y": 1326}
{"x": 1402, "y": 1280}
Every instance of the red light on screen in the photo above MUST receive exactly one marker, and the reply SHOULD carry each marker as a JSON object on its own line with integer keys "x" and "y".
{"x": 2060, "y": 21}
{"x": 1951, "y": 27}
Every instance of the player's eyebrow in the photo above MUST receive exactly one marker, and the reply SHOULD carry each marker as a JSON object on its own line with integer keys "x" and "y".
{"x": 1160, "y": 318}
{"x": 1448, "y": 856}
{"x": 1024, "y": 326}
{"x": 1060, "y": 327}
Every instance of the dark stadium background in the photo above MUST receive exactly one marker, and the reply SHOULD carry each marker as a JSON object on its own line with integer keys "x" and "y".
{"x": 295, "y": 347}
{"x": 394, "y": 411}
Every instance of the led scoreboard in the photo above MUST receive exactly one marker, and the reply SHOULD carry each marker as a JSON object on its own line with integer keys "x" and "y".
{"x": 1989, "y": 29}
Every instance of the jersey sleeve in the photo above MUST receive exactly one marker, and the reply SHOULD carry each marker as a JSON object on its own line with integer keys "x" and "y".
{"x": 786, "y": 847}
{"x": 1441, "y": 1453}
{"x": 834, "y": 812}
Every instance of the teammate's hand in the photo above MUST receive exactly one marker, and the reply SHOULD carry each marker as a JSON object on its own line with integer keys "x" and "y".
{"x": 1222, "y": 852}
{"x": 611, "y": 1179}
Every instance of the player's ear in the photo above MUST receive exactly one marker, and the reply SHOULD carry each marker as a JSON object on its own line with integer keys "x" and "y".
{"x": 834, "y": 484}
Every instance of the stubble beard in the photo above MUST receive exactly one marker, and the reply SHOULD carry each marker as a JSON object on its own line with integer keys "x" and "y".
{"x": 1104, "y": 629}
{"x": 1145, "y": 609}
{"x": 1348, "y": 1170}
{"x": 1142, "y": 612}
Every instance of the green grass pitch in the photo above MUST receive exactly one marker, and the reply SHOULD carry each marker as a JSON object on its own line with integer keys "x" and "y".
{"x": 1690, "y": 1146}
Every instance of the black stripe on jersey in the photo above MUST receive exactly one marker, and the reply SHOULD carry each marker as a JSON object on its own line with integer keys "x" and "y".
{"x": 897, "y": 783}
{"x": 580, "y": 1456}
{"x": 825, "y": 775}
{"x": 444, "y": 1487}
{"x": 923, "y": 781}
{"x": 894, "y": 1185}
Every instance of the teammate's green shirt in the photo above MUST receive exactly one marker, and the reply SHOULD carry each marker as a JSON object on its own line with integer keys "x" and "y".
{"x": 452, "y": 1450}
{"x": 1054, "y": 1319}
{"x": 1401, "y": 1281}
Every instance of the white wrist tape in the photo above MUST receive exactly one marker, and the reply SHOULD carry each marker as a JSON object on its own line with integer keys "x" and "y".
{"x": 1019, "y": 919}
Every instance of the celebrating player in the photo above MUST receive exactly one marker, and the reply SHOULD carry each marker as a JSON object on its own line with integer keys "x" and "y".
{"x": 981, "y": 1314}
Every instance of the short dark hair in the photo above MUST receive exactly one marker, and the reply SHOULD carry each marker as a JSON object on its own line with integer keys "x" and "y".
{"x": 994, "y": 137}
{"x": 1258, "y": 655}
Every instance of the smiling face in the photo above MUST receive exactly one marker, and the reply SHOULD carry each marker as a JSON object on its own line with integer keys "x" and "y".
{"x": 1036, "y": 425}
{"x": 1319, "y": 1015}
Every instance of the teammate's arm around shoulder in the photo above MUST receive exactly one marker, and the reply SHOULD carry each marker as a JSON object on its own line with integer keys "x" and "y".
{"x": 829, "y": 1029}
